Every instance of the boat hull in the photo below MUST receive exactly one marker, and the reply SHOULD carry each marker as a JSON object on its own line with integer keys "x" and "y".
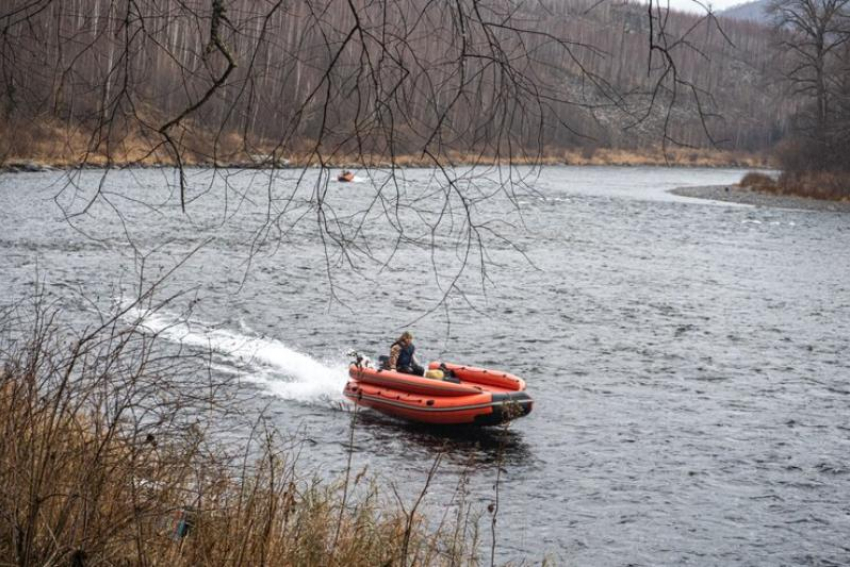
{"x": 436, "y": 402}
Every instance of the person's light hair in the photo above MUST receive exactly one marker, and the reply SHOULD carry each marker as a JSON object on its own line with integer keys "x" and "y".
{"x": 406, "y": 335}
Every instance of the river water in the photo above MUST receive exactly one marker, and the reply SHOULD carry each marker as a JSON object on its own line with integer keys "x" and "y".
{"x": 688, "y": 359}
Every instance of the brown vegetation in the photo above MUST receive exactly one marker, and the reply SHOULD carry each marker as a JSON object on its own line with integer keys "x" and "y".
{"x": 758, "y": 181}
{"x": 102, "y": 455}
{"x": 52, "y": 143}
{"x": 685, "y": 157}
{"x": 830, "y": 186}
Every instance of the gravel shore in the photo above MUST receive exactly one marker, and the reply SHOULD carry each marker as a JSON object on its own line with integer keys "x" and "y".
{"x": 736, "y": 194}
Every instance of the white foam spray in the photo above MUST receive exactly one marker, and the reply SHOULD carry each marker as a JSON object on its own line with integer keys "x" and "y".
{"x": 269, "y": 363}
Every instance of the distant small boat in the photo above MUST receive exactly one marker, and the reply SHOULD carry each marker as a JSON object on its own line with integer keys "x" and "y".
{"x": 346, "y": 176}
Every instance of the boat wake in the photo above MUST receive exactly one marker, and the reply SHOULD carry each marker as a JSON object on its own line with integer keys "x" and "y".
{"x": 267, "y": 363}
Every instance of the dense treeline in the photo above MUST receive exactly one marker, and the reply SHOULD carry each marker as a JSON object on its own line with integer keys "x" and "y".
{"x": 815, "y": 35}
{"x": 207, "y": 77}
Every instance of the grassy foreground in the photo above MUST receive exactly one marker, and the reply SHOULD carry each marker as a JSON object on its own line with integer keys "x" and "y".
{"x": 105, "y": 460}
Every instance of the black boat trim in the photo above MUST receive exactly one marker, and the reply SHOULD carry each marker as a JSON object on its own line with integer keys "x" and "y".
{"x": 505, "y": 400}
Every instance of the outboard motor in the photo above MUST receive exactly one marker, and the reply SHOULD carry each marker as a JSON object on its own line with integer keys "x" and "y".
{"x": 358, "y": 358}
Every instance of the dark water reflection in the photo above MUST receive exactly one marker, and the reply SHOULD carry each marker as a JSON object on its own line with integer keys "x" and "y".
{"x": 688, "y": 360}
{"x": 463, "y": 446}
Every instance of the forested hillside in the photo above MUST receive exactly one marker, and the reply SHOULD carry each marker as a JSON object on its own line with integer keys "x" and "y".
{"x": 207, "y": 79}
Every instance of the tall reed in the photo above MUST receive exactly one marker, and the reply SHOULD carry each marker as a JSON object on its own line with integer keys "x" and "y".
{"x": 107, "y": 457}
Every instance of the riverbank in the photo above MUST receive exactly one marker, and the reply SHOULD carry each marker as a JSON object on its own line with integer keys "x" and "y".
{"x": 121, "y": 453}
{"x": 747, "y": 196}
{"x": 47, "y": 146}
{"x": 606, "y": 157}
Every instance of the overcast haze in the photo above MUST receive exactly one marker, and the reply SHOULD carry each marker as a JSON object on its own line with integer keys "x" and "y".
{"x": 691, "y": 6}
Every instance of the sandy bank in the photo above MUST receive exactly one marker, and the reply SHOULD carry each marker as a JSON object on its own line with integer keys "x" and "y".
{"x": 736, "y": 194}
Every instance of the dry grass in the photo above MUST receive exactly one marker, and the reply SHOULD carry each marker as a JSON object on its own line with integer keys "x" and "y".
{"x": 828, "y": 186}
{"x": 682, "y": 157}
{"x": 590, "y": 156}
{"x": 101, "y": 448}
{"x": 58, "y": 144}
{"x": 758, "y": 181}
{"x": 54, "y": 143}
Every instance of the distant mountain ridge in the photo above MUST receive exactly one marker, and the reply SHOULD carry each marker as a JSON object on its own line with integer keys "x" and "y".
{"x": 756, "y": 11}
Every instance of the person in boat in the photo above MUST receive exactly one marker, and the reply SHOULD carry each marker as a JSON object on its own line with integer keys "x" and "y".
{"x": 403, "y": 356}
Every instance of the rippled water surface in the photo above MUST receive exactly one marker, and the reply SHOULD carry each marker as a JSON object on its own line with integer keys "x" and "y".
{"x": 688, "y": 359}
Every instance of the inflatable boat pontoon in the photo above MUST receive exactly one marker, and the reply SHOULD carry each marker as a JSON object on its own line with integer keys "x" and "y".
{"x": 466, "y": 395}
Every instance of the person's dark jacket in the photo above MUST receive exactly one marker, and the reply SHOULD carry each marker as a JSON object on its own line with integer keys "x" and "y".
{"x": 402, "y": 356}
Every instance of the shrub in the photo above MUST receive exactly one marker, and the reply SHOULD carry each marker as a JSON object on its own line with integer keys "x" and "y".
{"x": 758, "y": 181}
{"x": 103, "y": 461}
{"x": 832, "y": 186}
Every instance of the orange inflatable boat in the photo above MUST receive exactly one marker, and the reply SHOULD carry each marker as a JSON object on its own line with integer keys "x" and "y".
{"x": 466, "y": 395}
